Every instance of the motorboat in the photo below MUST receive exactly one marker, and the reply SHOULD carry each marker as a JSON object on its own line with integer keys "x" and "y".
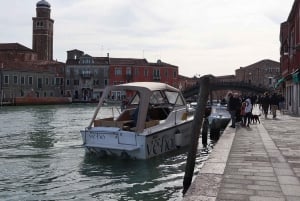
{"x": 155, "y": 120}
{"x": 217, "y": 114}
{"x": 219, "y": 117}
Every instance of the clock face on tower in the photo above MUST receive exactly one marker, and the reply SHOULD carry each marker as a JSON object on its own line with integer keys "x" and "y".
{"x": 42, "y": 31}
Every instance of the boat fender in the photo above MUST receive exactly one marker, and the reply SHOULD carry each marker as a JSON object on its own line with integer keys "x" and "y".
{"x": 178, "y": 138}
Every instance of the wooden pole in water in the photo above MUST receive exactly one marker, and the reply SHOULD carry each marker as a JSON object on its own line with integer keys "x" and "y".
{"x": 196, "y": 127}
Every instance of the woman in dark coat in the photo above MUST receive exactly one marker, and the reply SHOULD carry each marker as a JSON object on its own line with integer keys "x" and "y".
{"x": 265, "y": 104}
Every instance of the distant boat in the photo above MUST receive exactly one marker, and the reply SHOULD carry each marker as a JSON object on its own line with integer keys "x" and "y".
{"x": 28, "y": 100}
{"x": 219, "y": 116}
{"x": 154, "y": 121}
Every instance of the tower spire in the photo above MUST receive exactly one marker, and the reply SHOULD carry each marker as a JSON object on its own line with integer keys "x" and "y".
{"x": 42, "y": 31}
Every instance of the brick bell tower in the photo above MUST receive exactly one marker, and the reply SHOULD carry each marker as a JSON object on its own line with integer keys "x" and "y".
{"x": 42, "y": 31}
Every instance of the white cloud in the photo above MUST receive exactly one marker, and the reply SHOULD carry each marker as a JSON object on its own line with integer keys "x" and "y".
{"x": 201, "y": 37}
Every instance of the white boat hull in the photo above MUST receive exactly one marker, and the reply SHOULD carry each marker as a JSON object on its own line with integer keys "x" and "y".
{"x": 152, "y": 142}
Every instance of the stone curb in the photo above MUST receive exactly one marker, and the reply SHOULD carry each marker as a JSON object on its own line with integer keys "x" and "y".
{"x": 205, "y": 185}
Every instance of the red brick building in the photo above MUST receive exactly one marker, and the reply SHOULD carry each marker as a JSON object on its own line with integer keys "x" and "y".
{"x": 123, "y": 70}
{"x": 290, "y": 59}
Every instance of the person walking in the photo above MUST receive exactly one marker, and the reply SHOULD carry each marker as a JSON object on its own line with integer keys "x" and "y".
{"x": 232, "y": 106}
{"x": 243, "y": 113}
{"x": 274, "y": 102}
{"x": 248, "y": 112}
{"x": 265, "y": 104}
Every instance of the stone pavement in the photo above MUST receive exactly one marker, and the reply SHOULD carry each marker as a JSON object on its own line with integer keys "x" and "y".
{"x": 259, "y": 163}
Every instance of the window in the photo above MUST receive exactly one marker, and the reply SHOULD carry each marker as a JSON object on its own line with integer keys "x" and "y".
{"x": 46, "y": 81}
{"x": 39, "y": 83}
{"x": 6, "y": 79}
{"x": 57, "y": 81}
{"x": 270, "y": 81}
{"x": 118, "y": 71}
{"x": 128, "y": 71}
{"x": 30, "y": 80}
{"x": 174, "y": 74}
{"x": 96, "y": 82}
{"x": 68, "y": 82}
{"x": 105, "y": 82}
{"x": 166, "y": 72}
{"x": 22, "y": 80}
{"x": 39, "y": 24}
{"x": 15, "y": 79}
{"x": 136, "y": 72}
{"x": 156, "y": 73}
{"x": 76, "y": 82}
{"x": 146, "y": 72}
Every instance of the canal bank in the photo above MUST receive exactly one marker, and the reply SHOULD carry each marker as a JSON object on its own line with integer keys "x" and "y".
{"x": 257, "y": 163}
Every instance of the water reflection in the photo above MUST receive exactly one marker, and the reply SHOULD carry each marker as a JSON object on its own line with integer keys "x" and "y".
{"x": 159, "y": 177}
{"x": 42, "y": 159}
{"x": 42, "y": 135}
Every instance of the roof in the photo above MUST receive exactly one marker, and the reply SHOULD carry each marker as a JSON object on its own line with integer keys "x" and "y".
{"x": 14, "y": 47}
{"x": 293, "y": 10}
{"x": 75, "y": 50}
{"x": 265, "y": 61}
{"x": 127, "y": 61}
{"x": 43, "y": 4}
{"x": 36, "y": 66}
{"x": 159, "y": 63}
{"x": 97, "y": 61}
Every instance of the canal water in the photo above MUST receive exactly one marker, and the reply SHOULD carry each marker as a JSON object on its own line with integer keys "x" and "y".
{"x": 42, "y": 158}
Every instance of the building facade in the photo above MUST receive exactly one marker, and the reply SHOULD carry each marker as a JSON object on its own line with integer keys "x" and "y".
{"x": 290, "y": 59}
{"x": 85, "y": 76}
{"x": 264, "y": 73}
{"x": 31, "y": 78}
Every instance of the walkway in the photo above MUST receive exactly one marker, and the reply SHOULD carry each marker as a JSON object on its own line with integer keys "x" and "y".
{"x": 259, "y": 163}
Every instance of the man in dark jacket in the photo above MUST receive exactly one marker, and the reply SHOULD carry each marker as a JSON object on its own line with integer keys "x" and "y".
{"x": 232, "y": 106}
{"x": 265, "y": 103}
{"x": 274, "y": 102}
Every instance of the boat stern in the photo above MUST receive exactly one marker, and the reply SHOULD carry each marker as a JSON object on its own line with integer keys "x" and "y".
{"x": 112, "y": 141}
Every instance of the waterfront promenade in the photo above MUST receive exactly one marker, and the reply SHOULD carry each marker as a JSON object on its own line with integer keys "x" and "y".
{"x": 259, "y": 163}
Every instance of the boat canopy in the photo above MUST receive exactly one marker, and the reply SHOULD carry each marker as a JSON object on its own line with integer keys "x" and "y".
{"x": 141, "y": 86}
{"x": 145, "y": 90}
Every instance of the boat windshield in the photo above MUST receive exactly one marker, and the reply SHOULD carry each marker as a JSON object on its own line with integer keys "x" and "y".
{"x": 174, "y": 98}
{"x": 135, "y": 100}
{"x": 157, "y": 98}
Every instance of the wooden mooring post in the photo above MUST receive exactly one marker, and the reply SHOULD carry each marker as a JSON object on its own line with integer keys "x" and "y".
{"x": 195, "y": 131}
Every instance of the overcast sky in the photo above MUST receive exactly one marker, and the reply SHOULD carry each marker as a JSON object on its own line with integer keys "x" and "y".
{"x": 199, "y": 36}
